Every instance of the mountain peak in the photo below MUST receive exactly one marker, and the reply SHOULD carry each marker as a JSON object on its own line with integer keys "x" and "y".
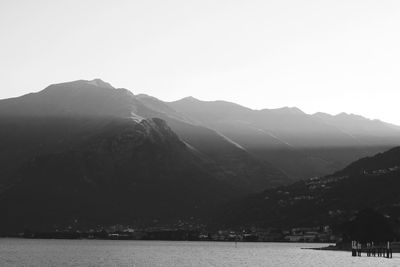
{"x": 87, "y": 98}
{"x": 350, "y": 115}
{"x": 286, "y": 110}
{"x": 99, "y": 83}
{"x": 190, "y": 99}
{"x": 77, "y": 86}
{"x": 322, "y": 114}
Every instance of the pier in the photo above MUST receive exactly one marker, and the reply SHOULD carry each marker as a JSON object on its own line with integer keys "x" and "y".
{"x": 380, "y": 250}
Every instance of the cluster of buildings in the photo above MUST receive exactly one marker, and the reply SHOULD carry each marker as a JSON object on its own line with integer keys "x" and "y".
{"x": 303, "y": 234}
{"x": 120, "y": 232}
{"x": 382, "y": 171}
{"x": 312, "y": 234}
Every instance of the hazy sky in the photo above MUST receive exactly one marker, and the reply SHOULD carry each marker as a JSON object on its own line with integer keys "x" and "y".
{"x": 330, "y": 56}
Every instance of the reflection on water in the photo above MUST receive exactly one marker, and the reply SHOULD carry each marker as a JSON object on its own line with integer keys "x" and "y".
{"x": 26, "y": 252}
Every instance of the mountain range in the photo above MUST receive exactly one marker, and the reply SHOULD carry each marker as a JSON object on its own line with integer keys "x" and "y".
{"x": 299, "y": 144}
{"x": 87, "y": 152}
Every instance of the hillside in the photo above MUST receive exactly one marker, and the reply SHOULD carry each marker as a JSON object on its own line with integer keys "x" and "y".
{"x": 369, "y": 183}
{"x": 127, "y": 173}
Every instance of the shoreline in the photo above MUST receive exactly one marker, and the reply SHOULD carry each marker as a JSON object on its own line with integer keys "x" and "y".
{"x": 330, "y": 248}
{"x": 338, "y": 248}
{"x": 217, "y": 241}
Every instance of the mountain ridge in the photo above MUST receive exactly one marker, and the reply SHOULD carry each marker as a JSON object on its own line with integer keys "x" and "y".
{"x": 299, "y": 144}
{"x": 97, "y": 82}
{"x": 73, "y": 148}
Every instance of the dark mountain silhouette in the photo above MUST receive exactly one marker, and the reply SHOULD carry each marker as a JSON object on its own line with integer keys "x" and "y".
{"x": 63, "y": 115}
{"x": 369, "y": 183}
{"x": 128, "y": 172}
{"x": 85, "y": 151}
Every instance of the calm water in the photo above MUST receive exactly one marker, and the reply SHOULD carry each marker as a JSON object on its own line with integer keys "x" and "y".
{"x": 25, "y": 252}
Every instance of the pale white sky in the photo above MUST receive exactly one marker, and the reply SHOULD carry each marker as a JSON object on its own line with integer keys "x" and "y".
{"x": 329, "y": 56}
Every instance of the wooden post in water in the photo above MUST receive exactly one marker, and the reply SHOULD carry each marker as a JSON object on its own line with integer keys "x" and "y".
{"x": 236, "y": 239}
{"x": 373, "y": 249}
{"x": 388, "y": 250}
{"x": 369, "y": 249}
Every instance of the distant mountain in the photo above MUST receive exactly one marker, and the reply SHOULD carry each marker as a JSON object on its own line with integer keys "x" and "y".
{"x": 301, "y": 145}
{"x": 74, "y": 99}
{"x": 86, "y": 152}
{"x": 369, "y": 183}
{"x": 365, "y": 131}
{"x": 223, "y": 151}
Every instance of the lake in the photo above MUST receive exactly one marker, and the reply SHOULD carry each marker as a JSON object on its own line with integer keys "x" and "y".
{"x": 36, "y": 252}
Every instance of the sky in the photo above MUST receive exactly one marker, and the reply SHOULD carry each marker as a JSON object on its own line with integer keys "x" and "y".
{"x": 330, "y": 56}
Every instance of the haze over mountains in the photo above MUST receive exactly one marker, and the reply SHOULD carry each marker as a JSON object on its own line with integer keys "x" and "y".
{"x": 85, "y": 151}
{"x": 301, "y": 145}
